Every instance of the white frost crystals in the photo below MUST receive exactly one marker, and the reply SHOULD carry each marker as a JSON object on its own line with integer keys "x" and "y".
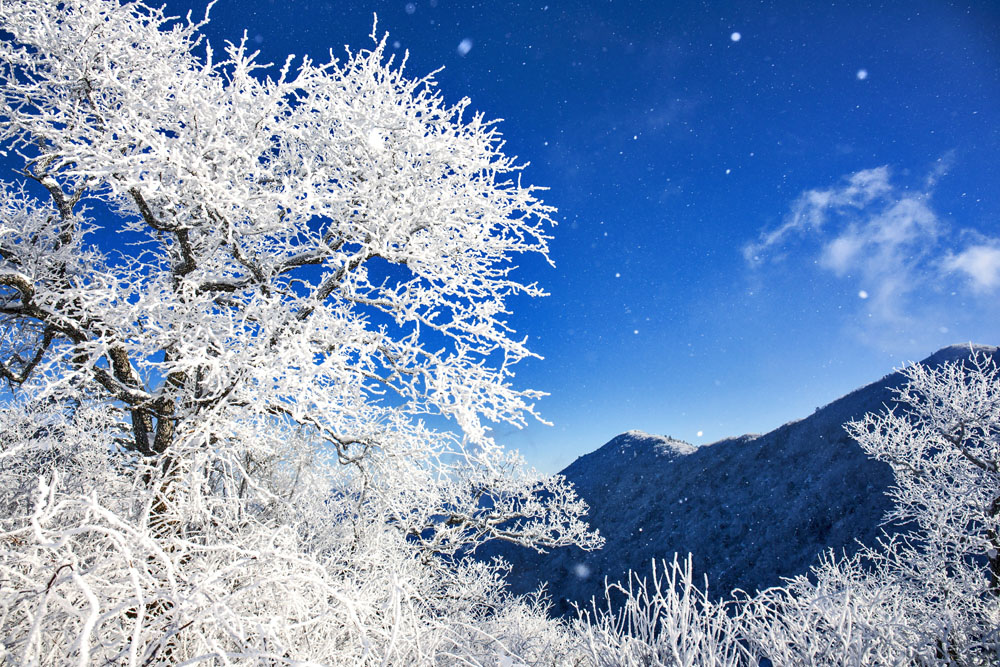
{"x": 212, "y": 446}
{"x": 930, "y": 595}
{"x": 212, "y": 437}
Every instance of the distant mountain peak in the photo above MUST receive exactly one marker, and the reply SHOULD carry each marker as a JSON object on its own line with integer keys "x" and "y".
{"x": 752, "y": 509}
{"x": 958, "y": 351}
{"x": 662, "y": 445}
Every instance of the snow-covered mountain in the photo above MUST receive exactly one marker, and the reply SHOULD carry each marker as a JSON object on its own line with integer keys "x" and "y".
{"x": 752, "y": 509}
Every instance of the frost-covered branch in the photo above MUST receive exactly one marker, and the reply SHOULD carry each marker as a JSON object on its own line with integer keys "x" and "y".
{"x": 215, "y": 443}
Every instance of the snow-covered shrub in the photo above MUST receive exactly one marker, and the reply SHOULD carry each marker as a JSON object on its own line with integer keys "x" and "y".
{"x": 664, "y": 620}
{"x": 930, "y": 595}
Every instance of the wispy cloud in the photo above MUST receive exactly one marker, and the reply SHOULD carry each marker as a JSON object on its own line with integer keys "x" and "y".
{"x": 887, "y": 243}
{"x": 812, "y": 209}
{"x": 980, "y": 263}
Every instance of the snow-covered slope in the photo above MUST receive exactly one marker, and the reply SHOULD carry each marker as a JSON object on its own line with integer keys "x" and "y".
{"x": 752, "y": 509}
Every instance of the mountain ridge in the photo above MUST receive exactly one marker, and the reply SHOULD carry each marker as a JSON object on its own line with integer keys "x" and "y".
{"x": 752, "y": 509}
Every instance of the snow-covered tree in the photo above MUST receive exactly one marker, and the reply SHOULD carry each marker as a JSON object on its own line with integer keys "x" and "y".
{"x": 230, "y": 296}
{"x": 232, "y": 299}
{"x": 928, "y": 595}
{"x": 944, "y": 449}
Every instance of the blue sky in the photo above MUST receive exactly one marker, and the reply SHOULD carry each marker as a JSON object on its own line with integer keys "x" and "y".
{"x": 763, "y": 205}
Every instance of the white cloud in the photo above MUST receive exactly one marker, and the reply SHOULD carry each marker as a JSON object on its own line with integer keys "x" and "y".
{"x": 886, "y": 244}
{"x": 888, "y": 247}
{"x": 909, "y": 220}
{"x": 979, "y": 263}
{"x": 810, "y": 211}
{"x": 841, "y": 253}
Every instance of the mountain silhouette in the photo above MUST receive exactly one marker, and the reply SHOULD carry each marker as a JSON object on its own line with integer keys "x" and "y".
{"x": 751, "y": 509}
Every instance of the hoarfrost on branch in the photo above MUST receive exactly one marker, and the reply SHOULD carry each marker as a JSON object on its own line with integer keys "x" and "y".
{"x": 230, "y": 294}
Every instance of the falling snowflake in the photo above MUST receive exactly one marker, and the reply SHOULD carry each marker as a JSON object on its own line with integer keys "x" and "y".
{"x": 464, "y": 47}
{"x": 862, "y": 74}
{"x": 736, "y": 37}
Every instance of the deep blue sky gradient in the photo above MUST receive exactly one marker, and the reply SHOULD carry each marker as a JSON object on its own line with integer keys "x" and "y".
{"x": 669, "y": 147}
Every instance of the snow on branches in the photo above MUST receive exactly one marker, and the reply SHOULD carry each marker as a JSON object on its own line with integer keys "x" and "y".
{"x": 219, "y": 370}
{"x": 230, "y": 297}
{"x": 945, "y": 452}
{"x": 928, "y": 595}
